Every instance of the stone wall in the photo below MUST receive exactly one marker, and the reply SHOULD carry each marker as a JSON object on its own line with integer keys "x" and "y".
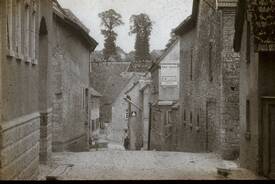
{"x": 46, "y": 130}
{"x": 230, "y": 113}
{"x": 210, "y": 85}
{"x": 119, "y": 108}
{"x": 20, "y": 148}
{"x": 71, "y": 82}
{"x": 23, "y": 97}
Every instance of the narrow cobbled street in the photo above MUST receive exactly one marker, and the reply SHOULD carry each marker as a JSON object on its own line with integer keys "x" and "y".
{"x": 143, "y": 165}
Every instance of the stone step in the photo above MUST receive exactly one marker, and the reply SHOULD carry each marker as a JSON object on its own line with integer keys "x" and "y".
{"x": 58, "y": 172}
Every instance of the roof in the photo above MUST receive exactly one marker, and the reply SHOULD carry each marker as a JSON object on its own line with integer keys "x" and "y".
{"x": 70, "y": 19}
{"x": 190, "y": 22}
{"x": 94, "y": 92}
{"x": 155, "y": 65}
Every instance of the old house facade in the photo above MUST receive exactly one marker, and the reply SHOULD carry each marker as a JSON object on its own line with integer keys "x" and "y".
{"x": 165, "y": 95}
{"x": 25, "y": 107}
{"x": 209, "y": 78}
{"x": 138, "y": 100}
{"x": 254, "y": 39}
{"x": 72, "y": 48}
{"x": 95, "y": 125}
{"x": 120, "y": 113}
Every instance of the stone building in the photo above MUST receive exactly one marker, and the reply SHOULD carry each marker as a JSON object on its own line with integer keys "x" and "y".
{"x": 255, "y": 40}
{"x": 120, "y": 113}
{"x": 165, "y": 95}
{"x": 95, "y": 125}
{"x": 209, "y": 78}
{"x": 137, "y": 96}
{"x": 25, "y": 103}
{"x": 72, "y": 47}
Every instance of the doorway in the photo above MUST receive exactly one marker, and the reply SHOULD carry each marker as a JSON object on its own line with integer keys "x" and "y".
{"x": 210, "y": 126}
{"x": 268, "y": 137}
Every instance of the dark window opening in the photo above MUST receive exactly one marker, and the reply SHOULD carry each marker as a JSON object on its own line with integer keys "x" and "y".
{"x": 210, "y": 62}
{"x": 248, "y": 46}
{"x": 191, "y": 64}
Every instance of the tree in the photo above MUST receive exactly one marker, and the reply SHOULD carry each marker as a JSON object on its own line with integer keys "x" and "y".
{"x": 142, "y": 26}
{"x": 110, "y": 19}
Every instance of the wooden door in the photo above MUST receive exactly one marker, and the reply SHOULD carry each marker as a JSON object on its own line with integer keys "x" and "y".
{"x": 269, "y": 138}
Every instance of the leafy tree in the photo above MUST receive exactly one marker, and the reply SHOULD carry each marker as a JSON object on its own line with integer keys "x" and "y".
{"x": 142, "y": 26}
{"x": 110, "y": 19}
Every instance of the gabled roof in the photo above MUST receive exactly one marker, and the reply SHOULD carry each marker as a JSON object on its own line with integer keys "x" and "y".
{"x": 190, "y": 22}
{"x": 155, "y": 65}
{"x": 70, "y": 19}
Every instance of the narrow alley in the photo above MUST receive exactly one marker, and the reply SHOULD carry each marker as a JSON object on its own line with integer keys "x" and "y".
{"x": 137, "y": 90}
{"x": 142, "y": 165}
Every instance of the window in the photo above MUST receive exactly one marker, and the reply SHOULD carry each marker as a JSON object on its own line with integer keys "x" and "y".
{"x": 191, "y": 64}
{"x": 127, "y": 114}
{"x": 191, "y": 120}
{"x": 27, "y": 31}
{"x": 198, "y": 120}
{"x": 184, "y": 115}
{"x": 248, "y": 46}
{"x": 83, "y": 98}
{"x": 18, "y": 29}
{"x": 32, "y": 33}
{"x": 210, "y": 62}
{"x": 10, "y": 25}
{"x": 248, "y": 128}
{"x": 247, "y": 116}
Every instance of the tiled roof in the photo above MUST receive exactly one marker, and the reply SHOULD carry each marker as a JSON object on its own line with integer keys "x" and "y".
{"x": 69, "y": 18}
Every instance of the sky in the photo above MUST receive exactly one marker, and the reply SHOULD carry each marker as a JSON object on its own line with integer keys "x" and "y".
{"x": 166, "y": 15}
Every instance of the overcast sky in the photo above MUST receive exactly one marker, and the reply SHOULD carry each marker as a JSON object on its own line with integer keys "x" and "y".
{"x": 166, "y": 15}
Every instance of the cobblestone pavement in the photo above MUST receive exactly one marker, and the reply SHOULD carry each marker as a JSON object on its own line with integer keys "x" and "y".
{"x": 128, "y": 165}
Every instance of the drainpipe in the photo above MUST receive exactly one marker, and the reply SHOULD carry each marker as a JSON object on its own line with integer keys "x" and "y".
{"x": 150, "y": 125}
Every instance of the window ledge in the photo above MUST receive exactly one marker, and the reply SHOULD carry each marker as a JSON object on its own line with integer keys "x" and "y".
{"x": 10, "y": 53}
{"x": 34, "y": 61}
{"x": 19, "y": 57}
{"x": 28, "y": 60}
